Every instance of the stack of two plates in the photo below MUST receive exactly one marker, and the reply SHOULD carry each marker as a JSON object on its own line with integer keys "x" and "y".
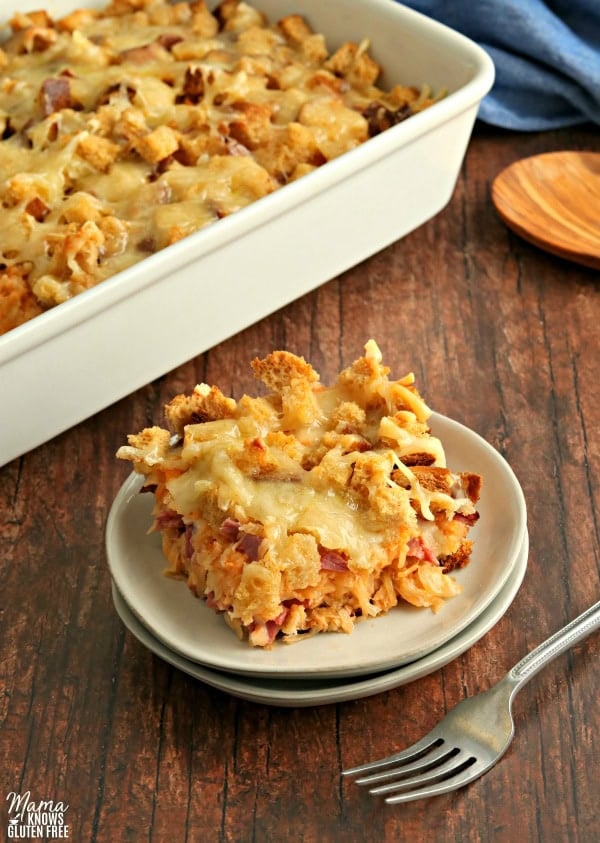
{"x": 380, "y": 654}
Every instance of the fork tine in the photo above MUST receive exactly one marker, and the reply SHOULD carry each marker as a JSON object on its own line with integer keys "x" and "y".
{"x": 453, "y": 782}
{"x": 408, "y": 754}
{"x": 423, "y": 762}
{"x": 450, "y": 766}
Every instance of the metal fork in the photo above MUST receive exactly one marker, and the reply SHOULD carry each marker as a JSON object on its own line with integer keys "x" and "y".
{"x": 473, "y": 736}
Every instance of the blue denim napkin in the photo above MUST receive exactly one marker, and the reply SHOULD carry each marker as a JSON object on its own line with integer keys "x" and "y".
{"x": 547, "y": 57}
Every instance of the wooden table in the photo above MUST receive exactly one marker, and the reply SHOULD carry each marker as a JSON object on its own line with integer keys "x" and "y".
{"x": 502, "y": 337}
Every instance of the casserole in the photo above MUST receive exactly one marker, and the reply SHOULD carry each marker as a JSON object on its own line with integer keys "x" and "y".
{"x": 311, "y": 509}
{"x": 106, "y": 342}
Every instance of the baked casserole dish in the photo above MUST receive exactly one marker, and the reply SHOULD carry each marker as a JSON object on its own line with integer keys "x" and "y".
{"x": 298, "y": 222}
{"x": 125, "y": 129}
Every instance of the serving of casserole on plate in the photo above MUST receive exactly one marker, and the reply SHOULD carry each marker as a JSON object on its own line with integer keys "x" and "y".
{"x": 346, "y": 520}
{"x": 267, "y": 156}
{"x": 309, "y": 509}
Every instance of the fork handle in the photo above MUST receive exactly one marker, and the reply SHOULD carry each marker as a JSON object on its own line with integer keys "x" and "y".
{"x": 562, "y": 640}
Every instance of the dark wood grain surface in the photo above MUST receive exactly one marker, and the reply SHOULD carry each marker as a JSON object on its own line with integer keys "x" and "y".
{"x": 502, "y": 337}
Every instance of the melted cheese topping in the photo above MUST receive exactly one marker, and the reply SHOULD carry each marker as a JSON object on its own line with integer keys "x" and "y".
{"x": 124, "y": 130}
{"x": 298, "y": 503}
{"x": 329, "y": 503}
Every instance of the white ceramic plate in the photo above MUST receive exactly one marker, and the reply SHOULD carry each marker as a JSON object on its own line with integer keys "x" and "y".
{"x": 185, "y": 624}
{"x": 299, "y": 693}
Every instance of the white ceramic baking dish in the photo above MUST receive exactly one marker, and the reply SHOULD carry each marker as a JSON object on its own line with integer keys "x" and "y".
{"x": 78, "y": 358}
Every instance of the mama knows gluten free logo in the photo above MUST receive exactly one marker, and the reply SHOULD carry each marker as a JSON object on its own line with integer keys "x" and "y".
{"x": 29, "y": 820}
